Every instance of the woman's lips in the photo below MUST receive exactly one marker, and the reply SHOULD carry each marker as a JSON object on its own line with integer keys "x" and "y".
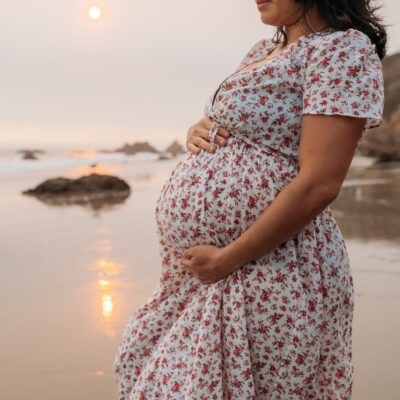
{"x": 259, "y": 2}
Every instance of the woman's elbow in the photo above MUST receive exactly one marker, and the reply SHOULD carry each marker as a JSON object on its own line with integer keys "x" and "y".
{"x": 320, "y": 192}
{"x": 325, "y": 192}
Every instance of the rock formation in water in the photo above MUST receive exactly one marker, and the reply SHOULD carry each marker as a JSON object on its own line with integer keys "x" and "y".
{"x": 29, "y": 154}
{"x": 164, "y": 156}
{"x": 175, "y": 148}
{"x": 384, "y": 142}
{"x": 136, "y": 148}
{"x": 85, "y": 189}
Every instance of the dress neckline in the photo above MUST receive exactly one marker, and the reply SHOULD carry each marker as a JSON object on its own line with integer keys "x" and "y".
{"x": 270, "y": 47}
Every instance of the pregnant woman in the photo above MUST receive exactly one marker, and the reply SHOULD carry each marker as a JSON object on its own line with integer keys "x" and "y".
{"x": 255, "y": 299}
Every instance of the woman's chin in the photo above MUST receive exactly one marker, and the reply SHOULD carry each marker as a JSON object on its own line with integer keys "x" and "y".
{"x": 268, "y": 19}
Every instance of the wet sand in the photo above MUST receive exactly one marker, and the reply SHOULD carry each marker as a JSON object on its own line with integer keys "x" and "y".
{"x": 72, "y": 276}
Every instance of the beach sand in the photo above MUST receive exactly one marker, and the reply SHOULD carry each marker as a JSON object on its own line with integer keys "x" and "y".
{"x": 72, "y": 276}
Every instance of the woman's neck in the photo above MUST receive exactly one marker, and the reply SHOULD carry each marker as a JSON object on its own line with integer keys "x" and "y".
{"x": 300, "y": 28}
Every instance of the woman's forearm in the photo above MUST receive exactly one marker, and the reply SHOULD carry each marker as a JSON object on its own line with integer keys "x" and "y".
{"x": 293, "y": 208}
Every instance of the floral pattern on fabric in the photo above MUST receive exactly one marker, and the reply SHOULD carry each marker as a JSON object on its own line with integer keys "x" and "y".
{"x": 279, "y": 327}
{"x": 344, "y": 76}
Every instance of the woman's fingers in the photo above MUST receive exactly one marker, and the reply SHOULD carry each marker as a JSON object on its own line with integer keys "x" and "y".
{"x": 207, "y": 123}
{"x": 201, "y": 132}
{"x": 198, "y": 136}
{"x": 223, "y": 132}
{"x": 193, "y": 148}
{"x": 187, "y": 264}
{"x": 219, "y": 139}
{"x": 203, "y": 144}
{"x": 204, "y": 133}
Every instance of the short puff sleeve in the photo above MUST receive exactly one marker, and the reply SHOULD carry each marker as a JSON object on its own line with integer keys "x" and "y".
{"x": 344, "y": 76}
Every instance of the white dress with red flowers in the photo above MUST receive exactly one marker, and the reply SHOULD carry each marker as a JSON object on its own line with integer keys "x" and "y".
{"x": 279, "y": 327}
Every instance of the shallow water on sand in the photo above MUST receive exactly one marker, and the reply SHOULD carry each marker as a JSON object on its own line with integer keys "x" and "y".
{"x": 72, "y": 276}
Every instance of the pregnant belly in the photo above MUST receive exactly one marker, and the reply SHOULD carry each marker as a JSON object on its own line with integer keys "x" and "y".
{"x": 211, "y": 198}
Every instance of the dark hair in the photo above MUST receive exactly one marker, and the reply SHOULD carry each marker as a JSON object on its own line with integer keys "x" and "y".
{"x": 345, "y": 14}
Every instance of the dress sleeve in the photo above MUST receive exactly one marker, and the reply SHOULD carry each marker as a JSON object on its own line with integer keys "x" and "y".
{"x": 344, "y": 76}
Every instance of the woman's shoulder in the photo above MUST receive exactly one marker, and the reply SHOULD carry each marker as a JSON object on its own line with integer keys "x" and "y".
{"x": 336, "y": 41}
{"x": 343, "y": 75}
{"x": 348, "y": 36}
{"x": 258, "y": 46}
{"x": 254, "y": 50}
{"x": 346, "y": 50}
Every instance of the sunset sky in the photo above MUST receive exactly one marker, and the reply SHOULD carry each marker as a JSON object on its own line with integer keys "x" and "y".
{"x": 139, "y": 70}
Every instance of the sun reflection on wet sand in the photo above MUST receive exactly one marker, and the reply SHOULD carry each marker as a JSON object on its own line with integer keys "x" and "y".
{"x": 82, "y": 153}
{"x": 105, "y": 286}
{"x": 95, "y": 168}
{"x": 106, "y": 271}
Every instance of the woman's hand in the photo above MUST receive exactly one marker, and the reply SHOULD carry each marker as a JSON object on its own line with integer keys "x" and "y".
{"x": 197, "y": 136}
{"x": 207, "y": 262}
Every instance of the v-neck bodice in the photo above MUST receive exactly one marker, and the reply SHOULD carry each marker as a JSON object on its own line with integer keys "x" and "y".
{"x": 337, "y": 72}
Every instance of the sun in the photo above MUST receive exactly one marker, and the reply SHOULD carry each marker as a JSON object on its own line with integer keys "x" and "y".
{"x": 95, "y": 12}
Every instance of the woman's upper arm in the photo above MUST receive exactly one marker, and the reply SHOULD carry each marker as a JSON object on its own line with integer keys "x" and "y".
{"x": 343, "y": 96}
{"x": 327, "y": 147}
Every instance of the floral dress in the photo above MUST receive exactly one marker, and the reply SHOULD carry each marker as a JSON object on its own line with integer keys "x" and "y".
{"x": 280, "y": 326}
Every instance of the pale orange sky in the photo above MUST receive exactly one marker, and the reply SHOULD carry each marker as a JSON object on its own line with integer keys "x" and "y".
{"x": 143, "y": 72}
